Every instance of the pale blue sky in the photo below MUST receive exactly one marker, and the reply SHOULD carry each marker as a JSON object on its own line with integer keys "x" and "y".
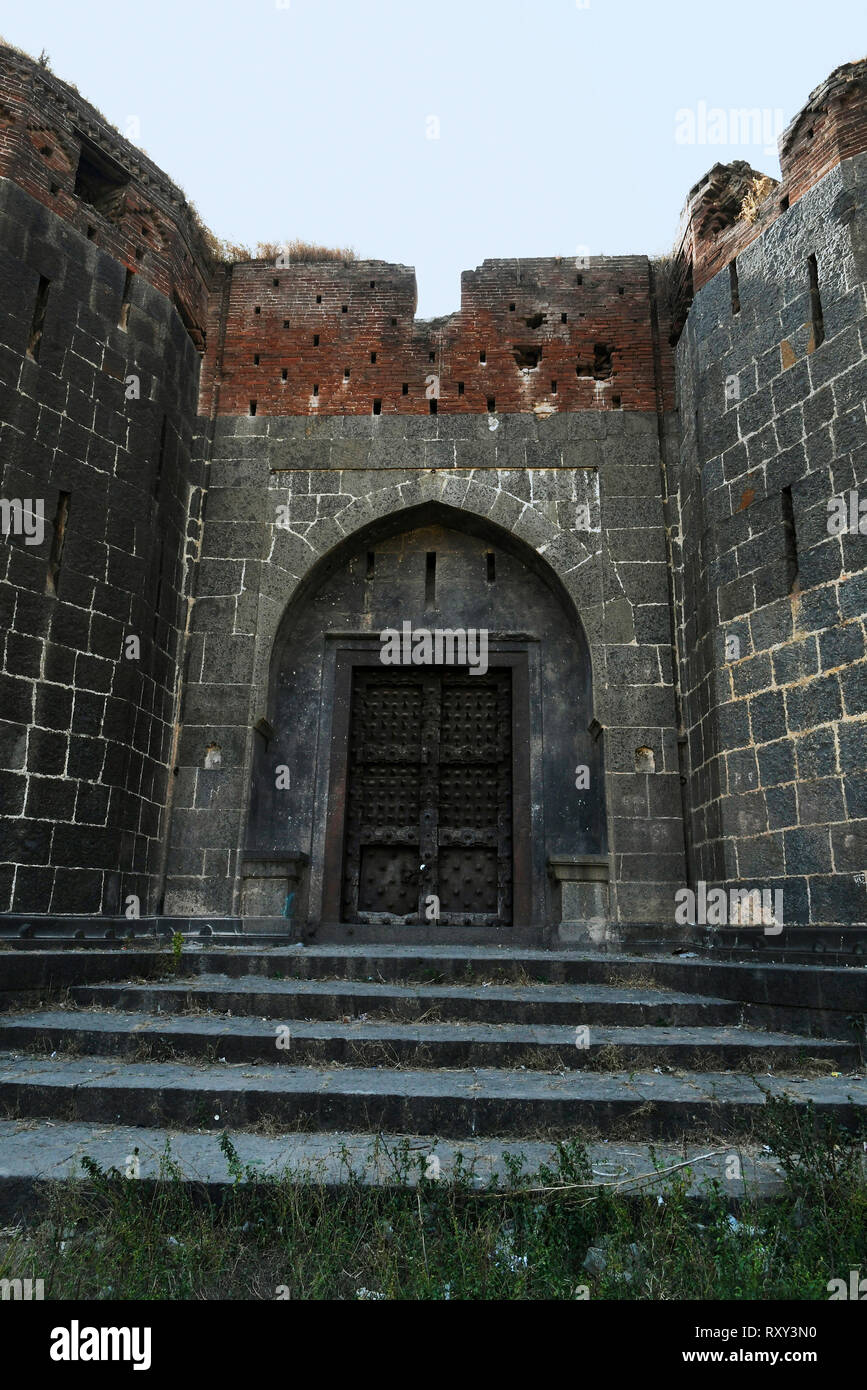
{"x": 557, "y": 123}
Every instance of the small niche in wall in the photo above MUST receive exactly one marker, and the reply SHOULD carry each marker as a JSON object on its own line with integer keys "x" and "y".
{"x": 213, "y": 755}
{"x": 645, "y": 760}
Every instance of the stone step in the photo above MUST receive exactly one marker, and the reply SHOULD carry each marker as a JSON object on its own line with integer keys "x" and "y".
{"x": 360, "y": 1043}
{"x": 39, "y": 1152}
{"x": 269, "y": 997}
{"x": 454, "y": 1104}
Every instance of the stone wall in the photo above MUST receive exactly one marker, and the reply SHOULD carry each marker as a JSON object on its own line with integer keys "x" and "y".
{"x": 530, "y": 478}
{"x": 772, "y": 380}
{"x": 96, "y": 427}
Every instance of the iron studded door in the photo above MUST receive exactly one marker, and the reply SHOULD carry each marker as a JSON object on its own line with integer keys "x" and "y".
{"x": 429, "y": 805}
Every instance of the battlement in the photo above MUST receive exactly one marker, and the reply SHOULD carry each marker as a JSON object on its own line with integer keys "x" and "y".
{"x": 734, "y": 203}
{"x": 340, "y": 338}
{"x": 63, "y": 152}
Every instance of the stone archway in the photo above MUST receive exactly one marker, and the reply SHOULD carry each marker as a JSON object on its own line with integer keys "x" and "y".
{"x": 427, "y": 795}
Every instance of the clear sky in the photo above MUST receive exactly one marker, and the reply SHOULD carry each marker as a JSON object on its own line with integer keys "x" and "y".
{"x": 558, "y": 123}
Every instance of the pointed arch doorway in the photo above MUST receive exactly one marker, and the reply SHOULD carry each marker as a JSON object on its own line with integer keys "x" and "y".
{"x": 430, "y": 776}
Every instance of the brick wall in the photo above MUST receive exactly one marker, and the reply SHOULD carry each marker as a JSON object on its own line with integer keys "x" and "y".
{"x": 830, "y": 128}
{"x": 336, "y": 338}
{"x": 60, "y": 149}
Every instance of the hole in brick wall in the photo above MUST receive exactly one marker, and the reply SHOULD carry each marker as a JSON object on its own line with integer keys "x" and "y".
{"x": 61, "y": 517}
{"x": 619, "y": 289}
{"x": 377, "y": 407}
{"x": 564, "y": 318}
{"x": 645, "y": 760}
{"x": 276, "y": 283}
{"x": 284, "y": 375}
{"x": 34, "y": 344}
{"x": 286, "y": 323}
{"x": 483, "y": 357}
{"x": 784, "y": 203}
{"x": 432, "y": 357}
{"x": 460, "y": 388}
{"x": 405, "y": 388}
{"x": 433, "y": 405}
{"x": 615, "y": 401}
{"x": 345, "y": 373}
{"x": 394, "y": 323}
{"x": 527, "y": 356}
{"x": 602, "y": 366}
{"x": 319, "y": 299}
{"x": 373, "y": 357}
{"x": 579, "y": 279}
{"x": 536, "y": 320}
{"x": 252, "y": 407}
{"x": 371, "y": 564}
{"x": 373, "y": 284}
{"x": 790, "y": 540}
{"x": 255, "y": 359}
{"x": 91, "y": 233}
{"x": 511, "y": 308}
{"x": 123, "y": 321}
{"x": 54, "y": 188}
{"x": 734, "y": 287}
{"x": 100, "y": 182}
{"x": 491, "y": 566}
{"x": 46, "y": 150}
{"x": 316, "y": 388}
{"x": 430, "y": 578}
{"x": 344, "y": 308}
{"x": 553, "y": 388}
{"x": 815, "y": 302}
{"x": 492, "y": 405}
{"x": 315, "y": 339}
{"x": 257, "y": 309}
{"x": 810, "y": 133}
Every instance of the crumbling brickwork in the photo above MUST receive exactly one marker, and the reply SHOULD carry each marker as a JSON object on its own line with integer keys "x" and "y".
{"x": 341, "y": 339}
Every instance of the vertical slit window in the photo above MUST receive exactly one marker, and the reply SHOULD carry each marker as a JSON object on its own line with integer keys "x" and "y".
{"x": 36, "y": 329}
{"x": 734, "y": 287}
{"x": 430, "y": 578}
{"x": 123, "y": 321}
{"x": 815, "y": 303}
{"x": 61, "y": 517}
{"x": 790, "y": 540}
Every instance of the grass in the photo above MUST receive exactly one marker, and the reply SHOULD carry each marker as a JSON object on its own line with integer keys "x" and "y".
{"x": 560, "y": 1232}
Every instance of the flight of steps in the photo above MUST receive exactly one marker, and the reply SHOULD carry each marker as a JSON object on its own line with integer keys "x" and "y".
{"x": 303, "y": 1050}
